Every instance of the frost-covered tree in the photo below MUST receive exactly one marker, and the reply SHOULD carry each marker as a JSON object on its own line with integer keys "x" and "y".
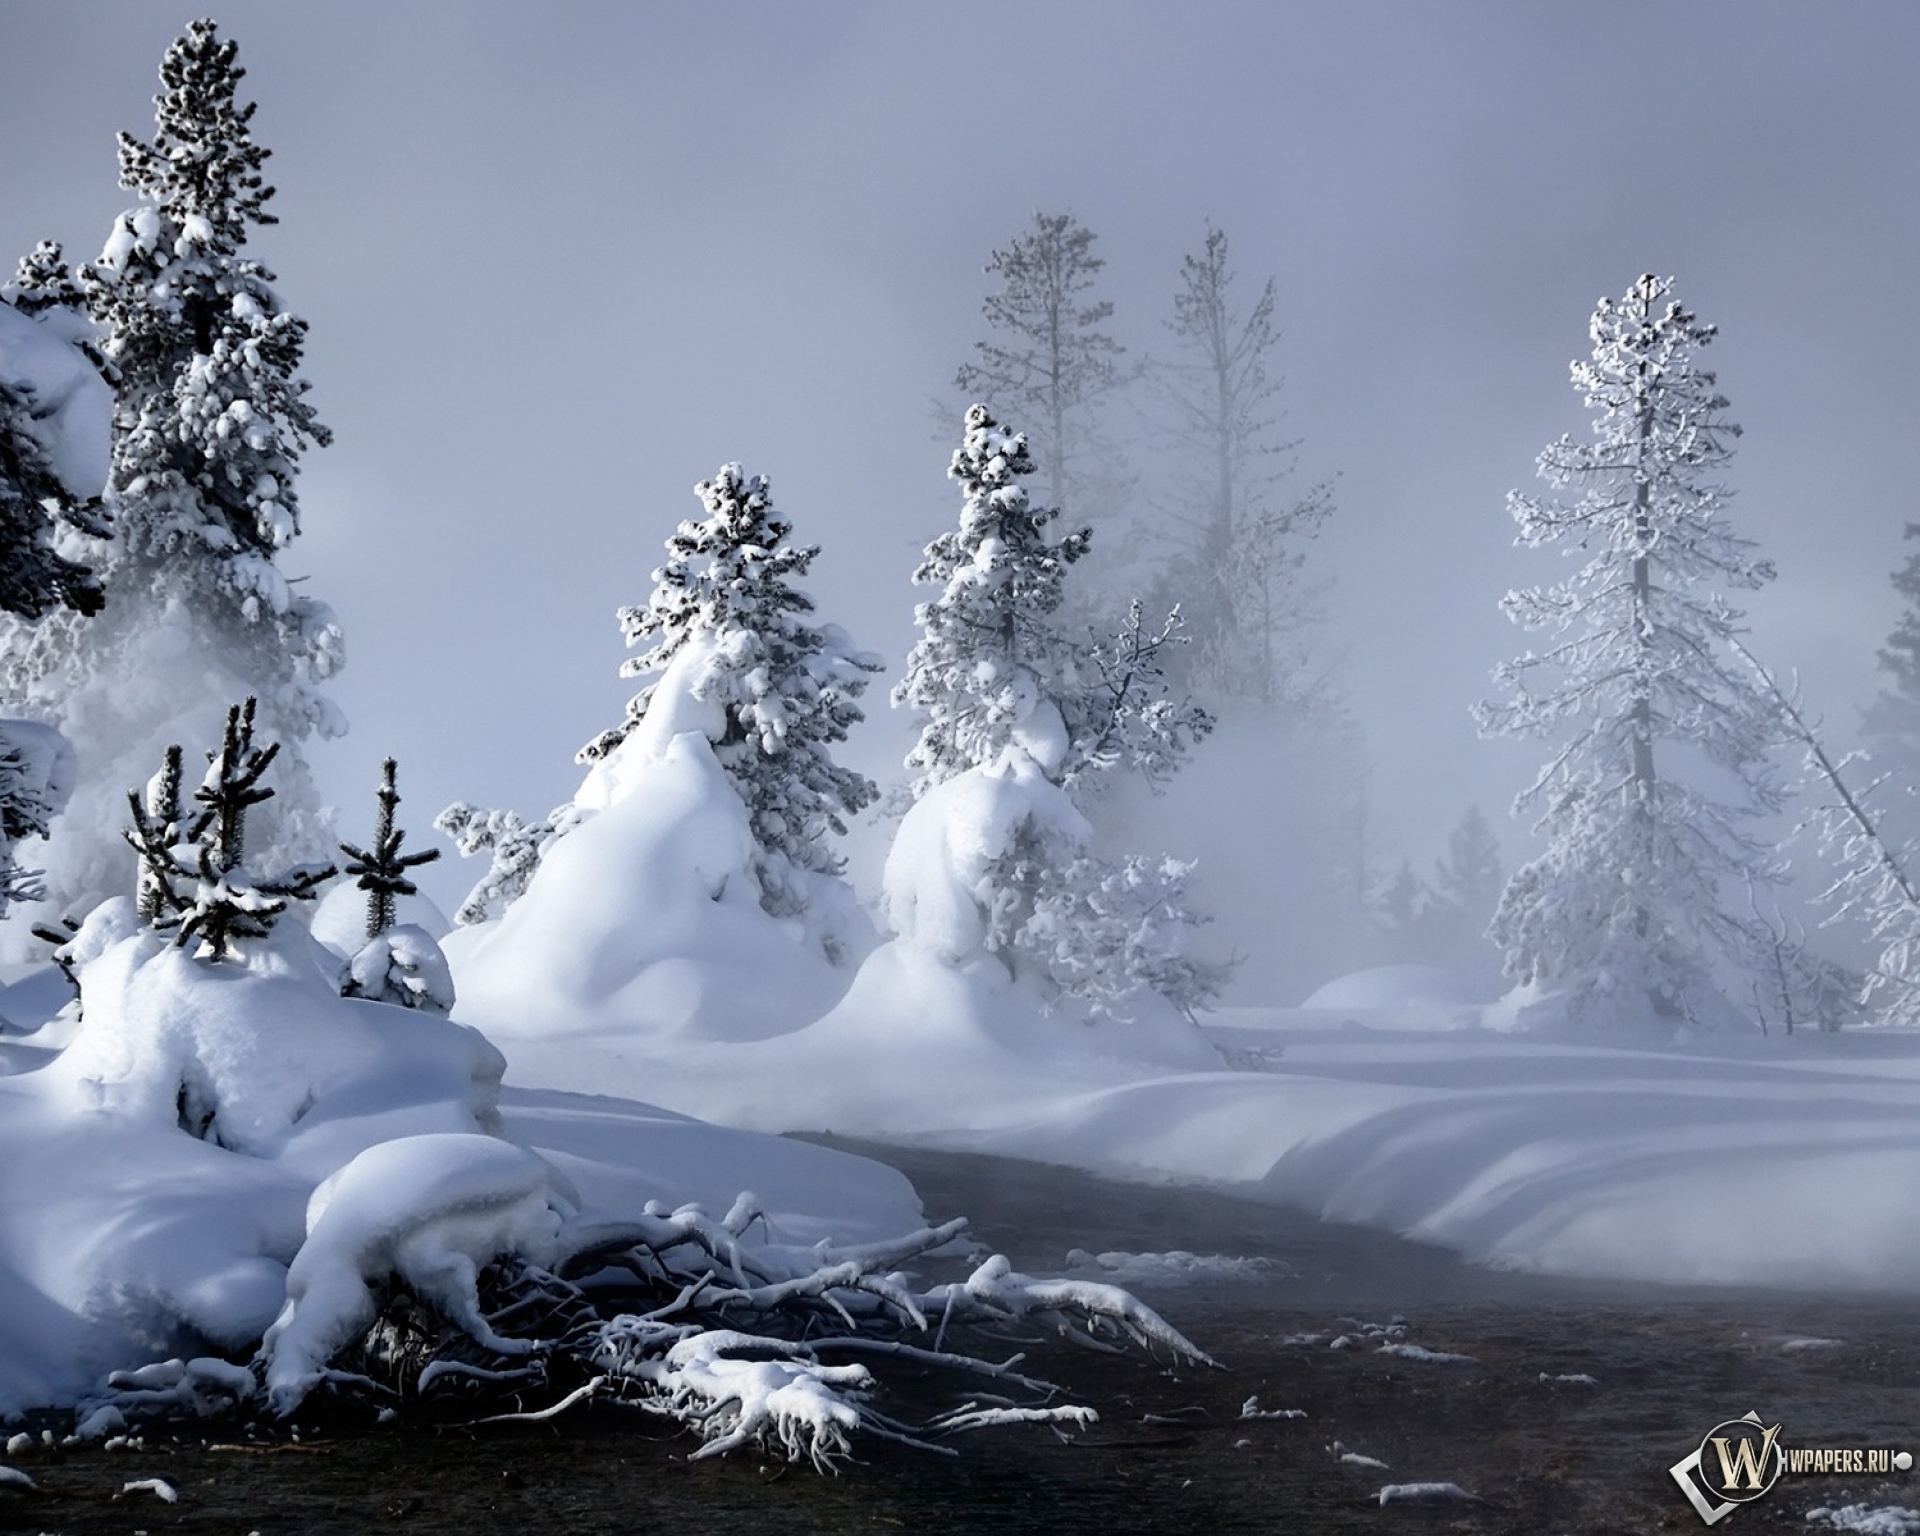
{"x": 1002, "y": 691}
{"x": 726, "y": 605}
{"x": 36, "y": 775}
{"x": 1238, "y": 538}
{"x": 991, "y": 667}
{"x": 49, "y": 499}
{"x": 994, "y": 666}
{"x": 1892, "y": 721}
{"x": 1871, "y": 882}
{"x": 209, "y": 427}
{"x": 1635, "y": 893}
{"x": 1894, "y": 717}
{"x": 513, "y": 845}
{"x": 1050, "y": 359}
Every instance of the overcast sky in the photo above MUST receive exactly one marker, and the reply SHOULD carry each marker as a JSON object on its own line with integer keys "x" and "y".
{"x": 561, "y": 261}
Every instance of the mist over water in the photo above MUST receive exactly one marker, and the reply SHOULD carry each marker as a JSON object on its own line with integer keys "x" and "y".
{"x": 558, "y": 272}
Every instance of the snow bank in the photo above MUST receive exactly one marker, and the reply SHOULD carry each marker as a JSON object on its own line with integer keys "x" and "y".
{"x": 1544, "y": 1154}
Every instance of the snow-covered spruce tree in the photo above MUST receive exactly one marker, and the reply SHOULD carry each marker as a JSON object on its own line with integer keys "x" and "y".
{"x": 1238, "y": 540}
{"x": 1464, "y": 893}
{"x": 1402, "y": 911}
{"x": 1002, "y": 692}
{"x": 209, "y": 427}
{"x": 1049, "y": 358}
{"x": 200, "y": 887}
{"x": 785, "y": 687}
{"x": 1634, "y": 897}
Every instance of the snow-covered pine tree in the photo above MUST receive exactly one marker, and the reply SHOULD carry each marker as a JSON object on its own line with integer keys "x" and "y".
{"x": 1050, "y": 359}
{"x": 161, "y": 825}
{"x": 1464, "y": 894}
{"x": 209, "y": 427}
{"x": 994, "y": 679}
{"x": 786, "y": 687}
{"x": 205, "y": 890}
{"x": 43, "y": 282}
{"x": 381, "y": 868}
{"x": 1238, "y": 554}
{"x": 36, "y": 502}
{"x": 1634, "y": 895}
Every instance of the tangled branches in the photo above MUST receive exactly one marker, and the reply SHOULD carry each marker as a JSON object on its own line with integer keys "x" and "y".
{"x": 744, "y": 1342}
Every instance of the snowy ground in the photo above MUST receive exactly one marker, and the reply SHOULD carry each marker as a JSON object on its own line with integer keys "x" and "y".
{"x": 1773, "y": 1161}
{"x": 340, "y": 1142}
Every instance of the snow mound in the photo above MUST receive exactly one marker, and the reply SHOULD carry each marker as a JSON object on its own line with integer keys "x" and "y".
{"x": 262, "y": 1058}
{"x": 645, "y": 919}
{"x": 1395, "y": 986}
{"x": 339, "y": 918}
{"x": 937, "y": 872}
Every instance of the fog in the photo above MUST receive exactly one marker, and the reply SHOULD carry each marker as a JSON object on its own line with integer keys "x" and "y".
{"x": 560, "y": 263}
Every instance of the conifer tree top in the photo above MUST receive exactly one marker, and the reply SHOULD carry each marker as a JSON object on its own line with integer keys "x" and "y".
{"x": 202, "y": 162}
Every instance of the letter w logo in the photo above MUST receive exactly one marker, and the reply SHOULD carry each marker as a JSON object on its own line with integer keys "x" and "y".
{"x": 1745, "y": 1458}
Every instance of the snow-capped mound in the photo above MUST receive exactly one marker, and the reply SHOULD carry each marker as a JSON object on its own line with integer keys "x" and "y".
{"x": 432, "y": 1211}
{"x": 937, "y": 875}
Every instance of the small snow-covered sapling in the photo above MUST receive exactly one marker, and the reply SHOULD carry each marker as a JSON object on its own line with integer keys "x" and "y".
{"x": 381, "y": 869}
{"x": 228, "y": 901}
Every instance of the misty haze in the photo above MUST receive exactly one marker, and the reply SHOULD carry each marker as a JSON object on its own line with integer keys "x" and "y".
{"x": 717, "y": 722}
